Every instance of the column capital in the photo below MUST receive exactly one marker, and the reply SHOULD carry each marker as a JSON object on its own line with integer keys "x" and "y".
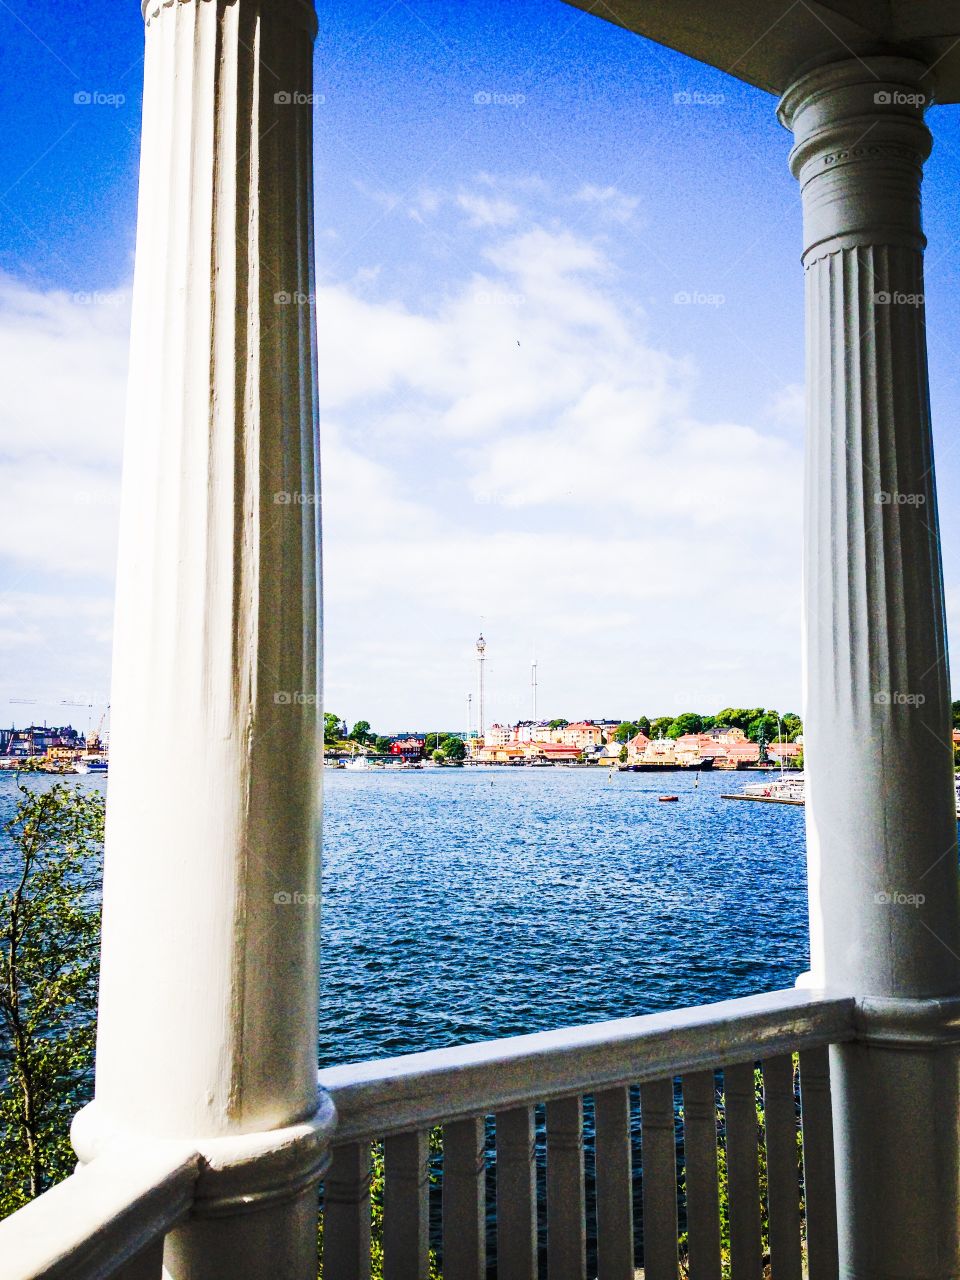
{"x": 302, "y": 11}
{"x": 860, "y": 146}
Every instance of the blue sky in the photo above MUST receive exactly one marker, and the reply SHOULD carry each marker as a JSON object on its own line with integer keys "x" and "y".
{"x": 560, "y": 328}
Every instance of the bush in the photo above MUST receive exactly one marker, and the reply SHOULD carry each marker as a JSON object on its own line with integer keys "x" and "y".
{"x": 49, "y": 954}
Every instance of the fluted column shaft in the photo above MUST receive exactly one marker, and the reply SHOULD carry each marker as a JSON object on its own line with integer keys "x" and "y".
{"x": 208, "y": 1013}
{"x": 881, "y": 828}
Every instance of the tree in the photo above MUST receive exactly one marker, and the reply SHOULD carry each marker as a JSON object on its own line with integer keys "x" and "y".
{"x": 642, "y": 725}
{"x": 737, "y": 717}
{"x": 660, "y": 726}
{"x": 763, "y": 726}
{"x": 361, "y": 731}
{"x": 49, "y": 957}
{"x": 433, "y": 742}
{"x": 331, "y": 727}
{"x": 792, "y": 726}
{"x": 625, "y": 732}
{"x": 454, "y": 749}
{"x": 382, "y": 746}
{"x": 688, "y": 722}
{"x": 624, "y": 754}
{"x": 558, "y": 724}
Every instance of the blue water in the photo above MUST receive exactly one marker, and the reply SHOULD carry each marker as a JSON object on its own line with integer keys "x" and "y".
{"x": 463, "y": 904}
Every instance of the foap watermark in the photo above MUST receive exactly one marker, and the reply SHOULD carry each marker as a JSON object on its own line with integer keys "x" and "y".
{"x": 895, "y": 898}
{"x": 482, "y": 98}
{"x": 295, "y": 698}
{"x": 898, "y": 299}
{"x": 296, "y": 98}
{"x": 293, "y": 498}
{"x": 894, "y": 498}
{"x": 897, "y": 98}
{"x": 293, "y": 298}
{"x": 897, "y": 698}
{"x": 97, "y": 98}
{"x": 694, "y": 298}
{"x": 284, "y": 898}
{"x": 496, "y": 298}
{"x": 697, "y": 98}
{"x": 98, "y": 298}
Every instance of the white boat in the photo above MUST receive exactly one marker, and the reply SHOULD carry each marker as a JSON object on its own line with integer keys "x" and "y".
{"x": 783, "y": 789}
{"x": 360, "y": 763}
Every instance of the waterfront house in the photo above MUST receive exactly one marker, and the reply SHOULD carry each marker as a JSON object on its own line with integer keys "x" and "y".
{"x": 498, "y": 735}
{"x": 785, "y": 751}
{"x": 551, "y": 753}
{"x": 580, "y": 734}
{"x": 736, "y": 755}
{"x": 211, "y": 1131}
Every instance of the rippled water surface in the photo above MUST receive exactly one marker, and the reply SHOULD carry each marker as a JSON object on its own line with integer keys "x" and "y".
{"x": 462, "y": 904}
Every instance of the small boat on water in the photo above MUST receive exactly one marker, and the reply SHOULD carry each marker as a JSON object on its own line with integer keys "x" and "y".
{"x": 360, "y": 764}
{"x": 786, "y": 789}
{"x": 667, "y": 799}
{"x": 90, "y": 765}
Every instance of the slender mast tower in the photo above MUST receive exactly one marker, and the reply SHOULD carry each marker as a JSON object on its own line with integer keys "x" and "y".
{"x": 533, "y": 688}
{"x": 481, "y": 651}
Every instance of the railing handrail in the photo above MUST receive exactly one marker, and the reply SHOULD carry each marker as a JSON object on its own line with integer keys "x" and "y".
{"x": 418, "y": 1090}
{"x": 97, "y": 1220}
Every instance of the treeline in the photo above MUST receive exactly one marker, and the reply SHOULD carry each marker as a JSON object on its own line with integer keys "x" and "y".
{"x": 446, "y": 746}
{"x": 760, "y": 724}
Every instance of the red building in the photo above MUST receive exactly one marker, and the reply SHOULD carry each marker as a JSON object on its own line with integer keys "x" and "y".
{"x": 408, "y": 748}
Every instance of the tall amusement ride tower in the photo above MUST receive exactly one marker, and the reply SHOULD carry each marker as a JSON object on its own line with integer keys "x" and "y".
{"x": 481, "y": 652}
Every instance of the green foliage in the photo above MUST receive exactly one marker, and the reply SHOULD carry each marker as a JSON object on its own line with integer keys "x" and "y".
{"x": 623, "y": 754}
{"x": 642, "y": 725}
{"x": 382, "y": 746}
{"x": 331, "y": 727}
{"x": 49, "y": 957}
{"x": 377, "y": 1183}
{"x": 660, "y": 726}
{"x": 433, "y": 742}
{"x": 625, "y": 731}
{"x": 956, "y": 715}
{"x": 558, "y": 724}
{"x": 737, "y": 718}
{"x": 724, "y": 1183}
{"x": 361, "y": 731}
{"x": 454, "y": 748}
{"x": 688, "y": 722}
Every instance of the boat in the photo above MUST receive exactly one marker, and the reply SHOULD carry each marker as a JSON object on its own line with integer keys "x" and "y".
{"x": 90, "y": 766}
{"x": 782, "y": 790}
{"x": 667, "y": 799}
{"x": 358, "y": 763}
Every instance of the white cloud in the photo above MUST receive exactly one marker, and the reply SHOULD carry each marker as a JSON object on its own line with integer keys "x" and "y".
{"x": 485, "y": 212}
{"x": 612, "y": 202}
{"x": 518, "y": 449}
{"x": 64, "y": 359}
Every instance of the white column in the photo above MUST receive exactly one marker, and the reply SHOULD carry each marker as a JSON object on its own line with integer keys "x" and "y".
{"x": 208, "y": 1005}
{"x": 881, "y": 829}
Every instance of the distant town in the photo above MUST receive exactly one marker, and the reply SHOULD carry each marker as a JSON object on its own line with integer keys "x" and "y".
{"x": 735, "y": 738}
{"x": 50, "y": 749}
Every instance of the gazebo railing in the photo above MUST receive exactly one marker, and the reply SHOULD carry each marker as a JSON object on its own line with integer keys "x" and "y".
{"x": 656, "y": 1090}
{"x": 670, "y": 1102}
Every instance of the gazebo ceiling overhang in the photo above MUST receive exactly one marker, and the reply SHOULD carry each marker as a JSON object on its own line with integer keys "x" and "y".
{"x": 767, "y": 42}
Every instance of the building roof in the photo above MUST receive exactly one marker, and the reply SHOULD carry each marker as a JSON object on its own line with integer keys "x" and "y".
{"x": 766, "y": 42}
